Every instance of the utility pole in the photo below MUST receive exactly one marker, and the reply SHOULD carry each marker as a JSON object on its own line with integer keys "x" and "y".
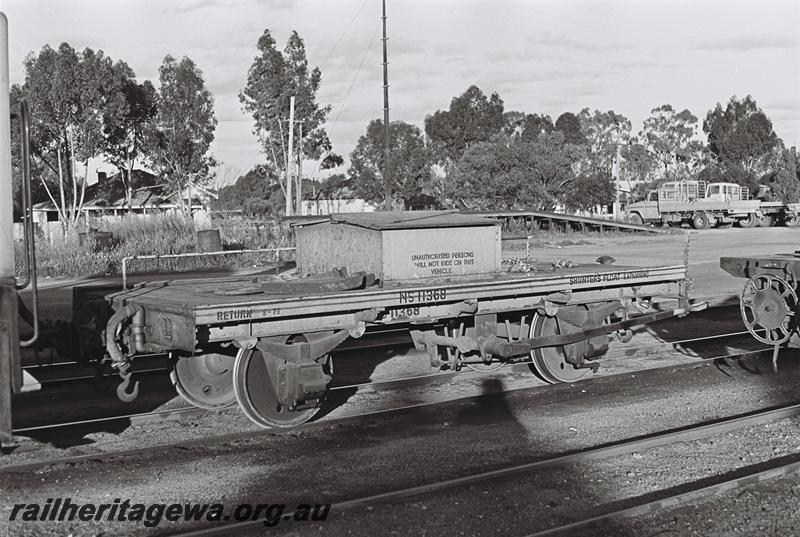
{"x": 387, "y": 166}
{"x": 300, "y": 170}
{"x": 616, "y": 170}
{"x": 290, "y": 158}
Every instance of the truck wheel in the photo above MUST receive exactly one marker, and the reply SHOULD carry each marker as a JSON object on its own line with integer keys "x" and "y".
{"x": 636, "y": 219}
{"x": 766, "y": 221}
{"x": 750, "y": 221}
{"x": 792, "y": 222}
{"x": 700, "y": 221}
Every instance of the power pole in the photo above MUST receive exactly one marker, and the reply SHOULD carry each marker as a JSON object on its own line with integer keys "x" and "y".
{"x": 387, "y": 167}
{"x": 300, "y": 170}
{"x": 616, "y": 169}
{"x": 290, "y": 158}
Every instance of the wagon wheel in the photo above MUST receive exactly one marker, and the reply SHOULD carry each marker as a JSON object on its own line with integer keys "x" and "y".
{"x": 768, "y": 304}
{"x": 550, "y": 363}
{"x": 205, "y": 381}
{"x": 255, "y": 391}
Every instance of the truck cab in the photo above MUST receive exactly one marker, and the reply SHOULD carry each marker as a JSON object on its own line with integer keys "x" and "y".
{"x": 643, "y": 212}
{"x": 726, "y": 192}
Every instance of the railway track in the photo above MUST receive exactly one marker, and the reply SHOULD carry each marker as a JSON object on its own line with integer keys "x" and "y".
{"x": 689, "y": 433}
{"x": 698, "y": 491}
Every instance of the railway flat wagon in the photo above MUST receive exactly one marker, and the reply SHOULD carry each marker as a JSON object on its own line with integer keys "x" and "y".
{"x": 266, "y": 341}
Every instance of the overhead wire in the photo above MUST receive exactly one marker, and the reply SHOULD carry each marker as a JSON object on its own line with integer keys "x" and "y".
{"x": 341, "y": 37}
{"x": 343, "y": 106}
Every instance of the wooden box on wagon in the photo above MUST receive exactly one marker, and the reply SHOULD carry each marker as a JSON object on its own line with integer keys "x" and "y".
{"x": 400, "y": 246}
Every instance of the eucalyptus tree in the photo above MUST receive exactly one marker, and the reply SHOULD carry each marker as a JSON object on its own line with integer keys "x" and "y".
{"x": 511, "y": 173}
{"x": 125, "y": 127}
{"x": 740, "y": 134}
{"x": 472, "y": 117}
{"x": 178, "y": 138}
{"x": 605, "y": 133}
{"x": 411, "y": 168}
{"x": 69, "y": 94}
{"x": 669, "y": 136}
{"x": 273, "y": 78}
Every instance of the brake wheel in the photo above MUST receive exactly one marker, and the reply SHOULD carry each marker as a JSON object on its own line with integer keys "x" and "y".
{"x": 768, "y": 305}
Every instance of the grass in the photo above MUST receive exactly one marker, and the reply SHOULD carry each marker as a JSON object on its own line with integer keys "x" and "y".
{"x": 66, "y": 257}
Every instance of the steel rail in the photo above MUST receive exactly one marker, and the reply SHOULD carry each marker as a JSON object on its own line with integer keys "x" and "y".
{"x": 677, "y": 500}
{"x": 614, "y": 449}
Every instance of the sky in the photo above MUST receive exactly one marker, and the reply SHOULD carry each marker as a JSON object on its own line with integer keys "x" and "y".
{"x": 540, "y": 56}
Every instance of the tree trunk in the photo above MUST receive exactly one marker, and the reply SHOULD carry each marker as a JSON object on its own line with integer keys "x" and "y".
{"x": 83, "y": 187}
{"x": 73, "y": 181}
{"x": 65, "y": 225}
{"x": 126, "y": 186}
{"x": 128, "y": 176}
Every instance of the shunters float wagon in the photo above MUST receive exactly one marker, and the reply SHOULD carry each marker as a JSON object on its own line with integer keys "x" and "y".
{"x": 265, "y": 341}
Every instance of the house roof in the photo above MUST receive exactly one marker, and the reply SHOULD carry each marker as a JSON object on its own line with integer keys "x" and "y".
{"x": 109, "y": 193}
